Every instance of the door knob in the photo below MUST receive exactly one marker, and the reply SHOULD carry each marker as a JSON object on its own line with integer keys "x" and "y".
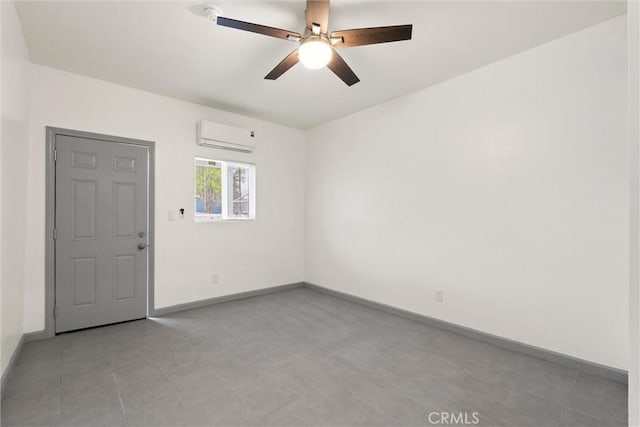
{"x": 142, "y": 244}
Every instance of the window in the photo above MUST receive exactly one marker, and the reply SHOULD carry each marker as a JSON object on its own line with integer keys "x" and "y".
{"x": 224, "y": 190}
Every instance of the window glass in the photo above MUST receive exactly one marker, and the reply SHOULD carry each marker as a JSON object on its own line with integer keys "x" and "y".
{"x": 224, "y": 190}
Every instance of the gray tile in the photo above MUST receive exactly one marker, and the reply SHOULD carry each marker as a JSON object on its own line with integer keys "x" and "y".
{"x": 42, "y": 409}
{"x": 345, "y": 409}
{"x": 421, "y": 368}
{"x": 221, "y": 407}
{"x": 474, "y": 356}
{"x": 602, "y": 387}
{"x": 449, "y": 345}
{"x": 175, "y": 357}
{"x": 86, "y": 355}
{"x": 593, "y": 404}
{"x": 88, "y": 378}
{"x": 132, "y": 354}
{"x": 367, "y": 353}
{"x": 160, "y": 412}
{"x": 318, "y": 373}
{"x": 396, "y": 402}
{"x": 262, "y": 353}
{"x": 551, "y": 384}
{"x": 29, "y": 379}
{"x": 48, "y": 352}
{"x": 526, "y": 364}
{"x": 293, "y": 358}
{"x": 100, "y": 408}
{"x": 262, "y": 391}
{"x": 523, "y": 409}
{"x": 139, "y": 385}
{"x": 195, "y": 382}
{"x": 513, "y": 407}
{"x": 300, "y": 412}
{"x": 167, "y": 343}
{"x": 575, "y": 418}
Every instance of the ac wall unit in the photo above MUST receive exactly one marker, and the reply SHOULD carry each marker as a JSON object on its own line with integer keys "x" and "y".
{"x": 217, "y": 135}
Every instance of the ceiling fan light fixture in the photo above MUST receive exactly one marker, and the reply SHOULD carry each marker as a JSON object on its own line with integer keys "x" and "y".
{"x": 315, "y": 53}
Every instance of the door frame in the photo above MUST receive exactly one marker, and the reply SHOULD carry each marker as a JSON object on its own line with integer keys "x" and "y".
{"x": 50, "y": 209}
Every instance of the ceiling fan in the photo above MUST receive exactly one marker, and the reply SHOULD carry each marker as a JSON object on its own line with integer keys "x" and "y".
{"x": 317, "y": 47}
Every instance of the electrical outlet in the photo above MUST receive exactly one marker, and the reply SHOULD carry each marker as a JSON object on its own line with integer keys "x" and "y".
{"x": 438, "y": 297}
{"x": 214, "y": 279}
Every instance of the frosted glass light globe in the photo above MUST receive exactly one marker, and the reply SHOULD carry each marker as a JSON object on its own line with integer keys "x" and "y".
{"x": 315, "y": 54}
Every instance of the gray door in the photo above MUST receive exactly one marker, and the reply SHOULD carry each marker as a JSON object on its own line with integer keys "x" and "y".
{"x": 101, "y": 226}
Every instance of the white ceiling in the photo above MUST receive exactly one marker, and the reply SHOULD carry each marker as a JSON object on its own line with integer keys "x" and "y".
{"x": 171, "y": 49}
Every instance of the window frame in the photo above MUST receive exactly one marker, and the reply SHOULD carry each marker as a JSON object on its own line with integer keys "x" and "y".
{"x": 223, "y": 216}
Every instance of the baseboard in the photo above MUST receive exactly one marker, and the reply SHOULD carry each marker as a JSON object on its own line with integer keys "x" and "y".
{"x": 592, "y": 368}
{"x": 35, "y": 336}
{"x": 225, "y": 298}
{"x": 11, "y": 365}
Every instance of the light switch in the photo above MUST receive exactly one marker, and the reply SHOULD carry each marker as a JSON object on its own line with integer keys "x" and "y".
{"x": 172, "y": 215}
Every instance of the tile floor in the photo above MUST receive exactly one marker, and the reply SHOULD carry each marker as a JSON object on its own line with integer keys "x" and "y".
{"x": 294, "y": 358}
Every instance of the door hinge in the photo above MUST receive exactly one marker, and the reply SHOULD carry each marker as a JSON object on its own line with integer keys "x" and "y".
{"x": 55, "y": 233}
{"x": 55, "y": 155}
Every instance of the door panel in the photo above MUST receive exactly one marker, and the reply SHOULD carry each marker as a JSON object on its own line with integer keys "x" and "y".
{"x": 83, "y": 202}
{"x": 124, "y": 274}
{"x": 83, "y": 277}
{"x": 124, "y": 210}
{"x": 101, "y": 207}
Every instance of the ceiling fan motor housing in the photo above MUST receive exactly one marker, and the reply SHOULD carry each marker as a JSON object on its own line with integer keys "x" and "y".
{"x": 212, "y": 12}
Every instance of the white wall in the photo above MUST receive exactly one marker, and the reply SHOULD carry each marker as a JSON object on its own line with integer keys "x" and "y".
{"x": 14, "y": 61}
{"x": 633, "y": 25}
{"x": 507, "y": 188}
{"x": 245, "y": 255}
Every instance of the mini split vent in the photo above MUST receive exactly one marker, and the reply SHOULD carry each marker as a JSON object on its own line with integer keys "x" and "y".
{"x": 217, "y": 135}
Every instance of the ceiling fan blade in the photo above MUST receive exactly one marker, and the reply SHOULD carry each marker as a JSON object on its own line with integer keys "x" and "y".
{"x": 342, "y": 70}
{"x": 260, "y": 29}
{"x": 318, "y": 13}
{"x": 283, "y": 66}
{"x": 364, "y": 36}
